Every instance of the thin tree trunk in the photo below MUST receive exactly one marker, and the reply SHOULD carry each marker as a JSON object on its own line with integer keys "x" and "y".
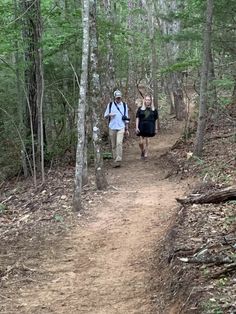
{"x": 20, "y": 99}
{"x": 81, "y": 109}
{"x": 213, "y": 105}
{"x": 130, "y": 88}
{"x": 178, "y": 96}
{"x": 32, "y": 32}
{"x": 172, "y": 49}
{"x": 85, "y": 157}
{"x": 234, "y": 93}
{"x": 154, "y": 62}
{"x": 95, "y": 88}
{"x": 202, "y": 118}
{"x": 39, "y": 83}
{"x": 108, "y": 74}
{"x": 233, "y": 100}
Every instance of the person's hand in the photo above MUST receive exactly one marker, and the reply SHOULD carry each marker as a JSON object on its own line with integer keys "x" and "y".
{"x": 137, "y": 131}
{"x": 112, "y": 115}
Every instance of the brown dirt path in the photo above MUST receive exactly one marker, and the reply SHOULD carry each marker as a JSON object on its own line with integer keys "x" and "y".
{"x": 103, "y": 266}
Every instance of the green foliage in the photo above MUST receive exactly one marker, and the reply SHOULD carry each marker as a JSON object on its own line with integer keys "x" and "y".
{"x": 128, "y": 33}
{"x": 226, "y": 83}
{"x": 180, "y": 66}
{"x": 58, "y": 218}
{"x": 222, "y": 282}
{"x": 3, "y": 208}
{"x": 212, "y": 307}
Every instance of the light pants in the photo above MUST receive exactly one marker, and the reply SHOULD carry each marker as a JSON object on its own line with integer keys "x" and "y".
{"x": 116, "y": 137}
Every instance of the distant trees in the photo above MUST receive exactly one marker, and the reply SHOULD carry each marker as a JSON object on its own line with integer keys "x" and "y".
{"x": 155, "y": 42}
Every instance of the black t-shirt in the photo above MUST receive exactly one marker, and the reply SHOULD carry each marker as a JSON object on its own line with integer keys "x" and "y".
{"x": 147, "y": 119}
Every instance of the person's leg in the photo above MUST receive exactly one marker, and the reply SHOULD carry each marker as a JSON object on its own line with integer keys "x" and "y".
{"x": 141, "y": 146}
{"x": 119, "y": 144}
{"x": 146, "y": 147}
{"x": 112, "y": 134}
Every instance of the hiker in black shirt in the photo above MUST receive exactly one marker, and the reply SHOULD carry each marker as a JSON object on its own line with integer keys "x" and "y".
{"x": 146, "y": 124}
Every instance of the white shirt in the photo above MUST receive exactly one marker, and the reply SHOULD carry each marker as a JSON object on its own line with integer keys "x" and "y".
{"x": 116, "y": 122}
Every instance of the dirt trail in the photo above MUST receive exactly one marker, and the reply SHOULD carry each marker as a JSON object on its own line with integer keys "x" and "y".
{"x": 104, "y": 265}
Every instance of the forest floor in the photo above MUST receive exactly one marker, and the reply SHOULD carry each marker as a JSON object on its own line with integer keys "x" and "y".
{"x": 129, "y": 250}
{"x": 98, "y": 261}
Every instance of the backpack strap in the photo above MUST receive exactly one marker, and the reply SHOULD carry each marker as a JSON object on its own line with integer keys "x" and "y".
{"x": 109, "y": 118}
{"x": 110, "y": 105}
{"x": 124, "y": 104}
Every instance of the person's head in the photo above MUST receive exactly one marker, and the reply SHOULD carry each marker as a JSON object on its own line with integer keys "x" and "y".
{"x": 147, "y": 102}
{"x": 117, "y": 96}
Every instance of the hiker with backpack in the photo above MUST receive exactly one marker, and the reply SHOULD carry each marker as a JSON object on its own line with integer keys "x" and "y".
{"x": 118, "y": 117}
{"x": 146, "y": 124}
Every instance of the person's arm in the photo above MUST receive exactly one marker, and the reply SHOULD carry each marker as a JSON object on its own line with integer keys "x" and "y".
{"x": 137, "y": 122}
{"x": 107, "y": 114}
{"x": 127, "y": 122}
{"x": 156, "y": 126}
{"x": 157, "y": 122}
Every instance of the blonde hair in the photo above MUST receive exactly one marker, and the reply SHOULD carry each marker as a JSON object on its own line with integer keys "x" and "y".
{"x": 152, "y": 104}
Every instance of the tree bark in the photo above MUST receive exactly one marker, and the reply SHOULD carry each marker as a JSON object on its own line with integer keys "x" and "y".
{"x": 81, "y": 110}
{"x": 95, "y": 88}
{"x": 32, "y": 34}
{"x": 154, "y": 59}
{"x": 172, "y": 26}
{"x": 233, "y": 101}
{"x": 40, "y": 85}
{"x": 202, "y": 118}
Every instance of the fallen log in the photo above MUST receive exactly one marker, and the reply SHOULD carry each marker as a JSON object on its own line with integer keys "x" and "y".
{"x": 219, "y": 196}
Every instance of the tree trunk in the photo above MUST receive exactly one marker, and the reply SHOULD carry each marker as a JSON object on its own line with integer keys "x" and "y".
{"x": 20, "y": 98}
{"x": 32, "y": 33}
{"x": 178, "y": 96}
{"x": 213, "y": 104}
{"x": 39, "y": 84}
{"x": 154, "y": 61}
{"x": 108, "y": 75}
{"x": 171, "y": 27}
{"x": 81, "y": 109}
{"x": 131, "y": 64}
{"x": 233, "y": 101}
{"x": 95, "y": 88}
{"x": 202, "y": 118}
{"x": 234, "y": 93}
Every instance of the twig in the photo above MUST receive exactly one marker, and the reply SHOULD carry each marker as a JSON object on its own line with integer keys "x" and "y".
{"x": 227, "y": 269}
{"x": 182, "y": 307}
{"x": 29, "y": 269}
{"x": 7, "y": 199}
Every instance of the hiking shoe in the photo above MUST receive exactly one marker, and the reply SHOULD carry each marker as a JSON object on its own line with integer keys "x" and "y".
{"x": 142, "y": 154}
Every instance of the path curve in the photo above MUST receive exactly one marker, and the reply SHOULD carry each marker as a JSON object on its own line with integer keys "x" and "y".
{"x": 104, "y": 265}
